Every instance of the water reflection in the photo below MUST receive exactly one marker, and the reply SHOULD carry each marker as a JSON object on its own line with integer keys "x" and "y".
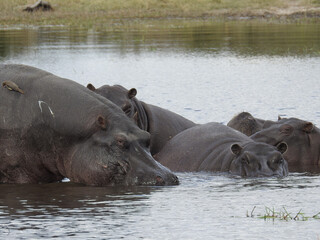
{"x": 244, "y": 38}
{"x": 56, "y": 198}
{"x": 40, "y": 210}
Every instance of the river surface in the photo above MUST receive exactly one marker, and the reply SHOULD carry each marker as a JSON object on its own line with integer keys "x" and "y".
{"x": 204, "y": 71}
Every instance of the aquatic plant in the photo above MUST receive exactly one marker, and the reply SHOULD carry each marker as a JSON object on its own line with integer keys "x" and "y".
{"x": 282, "y": 214}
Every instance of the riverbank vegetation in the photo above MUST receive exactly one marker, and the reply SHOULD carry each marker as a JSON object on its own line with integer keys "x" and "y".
{"x": 99, "y": 12}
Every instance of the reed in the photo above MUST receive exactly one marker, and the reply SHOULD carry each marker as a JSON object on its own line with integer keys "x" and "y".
{"x": 99, "y": 12}
{"x": 283, "y": 214}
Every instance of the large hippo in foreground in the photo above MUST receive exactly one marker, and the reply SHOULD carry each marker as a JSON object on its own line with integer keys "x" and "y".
{"x": 302, "y": 138}
{"x": 218, "y": 148}
{"x": 247, "y": 124}
{"x": 162, "y": 124}
{"x": 55, "y": 128}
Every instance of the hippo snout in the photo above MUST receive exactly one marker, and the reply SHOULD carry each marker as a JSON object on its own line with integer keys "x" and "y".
{"x": 264, "y": 170}
{"x": 159, "y": 178}
{"x": 168, "y": 180}
{"x": 171, "y": 180}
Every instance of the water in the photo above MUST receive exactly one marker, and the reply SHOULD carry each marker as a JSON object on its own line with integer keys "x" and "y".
{"x": 204, "y": 206}
{"x": 203, "y": 71}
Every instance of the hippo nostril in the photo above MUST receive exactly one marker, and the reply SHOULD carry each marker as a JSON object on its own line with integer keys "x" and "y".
{"x": 175, "y": 180}
{"x": 259, "y": 166}
{"x": 159, "y": 181}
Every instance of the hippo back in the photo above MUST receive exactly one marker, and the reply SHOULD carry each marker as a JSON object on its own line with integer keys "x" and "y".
{"x": 163, "y": 125}
{"x": 198, "y": 147}
{"x": 47, "y": 99}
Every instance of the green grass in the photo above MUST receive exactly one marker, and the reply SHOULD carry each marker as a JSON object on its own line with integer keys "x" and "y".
{"x": 100, "y": 12}
{"x": 283, "y": 214}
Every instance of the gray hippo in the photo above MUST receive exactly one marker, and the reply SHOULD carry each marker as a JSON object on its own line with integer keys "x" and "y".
{"x": 162, "y": 124}
{"x": 302, "y": 138}
{"x": 247, "y": 124}
{"x": 217, "y": 148}
{"x": 58, "y": 128}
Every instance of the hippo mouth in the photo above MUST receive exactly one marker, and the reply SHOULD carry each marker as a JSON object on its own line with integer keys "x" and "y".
{"x": 157, "y": 181}
{"x": 173, "y": 180}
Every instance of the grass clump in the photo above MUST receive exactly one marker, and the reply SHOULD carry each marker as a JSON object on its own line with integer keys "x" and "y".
{"x": 283, "y": 214}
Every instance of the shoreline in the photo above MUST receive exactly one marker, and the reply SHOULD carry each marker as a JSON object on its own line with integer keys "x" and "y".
{"x": 100, "y": 14}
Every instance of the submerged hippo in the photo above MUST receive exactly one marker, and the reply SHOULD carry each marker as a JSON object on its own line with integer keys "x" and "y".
{"x": 247, "y": 124}
{"x": 59, "y": 129}
{"x": 218, "y": 148}
{"x": 162, "y": 124}
{"x": 302, "y": 138}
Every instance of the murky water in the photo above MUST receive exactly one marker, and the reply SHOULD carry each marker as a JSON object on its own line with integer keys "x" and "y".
{"x": 205, "y": 72}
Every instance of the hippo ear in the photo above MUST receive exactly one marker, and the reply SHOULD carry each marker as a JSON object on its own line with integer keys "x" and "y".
{"x": 282, "y": 147}
{"x": 308, "y": 127}
{"x": 101, "y": 121}
{"x": 132, "y": 93}
{"x": 236, "y": 149}
{"x": 286, "y": 129}
{"x": 91, "y": 87}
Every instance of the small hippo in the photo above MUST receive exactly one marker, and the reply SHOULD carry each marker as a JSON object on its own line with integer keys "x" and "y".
{"x": 217, "y": 148}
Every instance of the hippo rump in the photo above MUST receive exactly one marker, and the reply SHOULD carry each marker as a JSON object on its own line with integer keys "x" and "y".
{"x": 58, "y": 128}
{"x": 247, "y": 124}
{"x": 162, "y": 124}
{"x": 302, "y": 138}
{"x": 217, "y": 148}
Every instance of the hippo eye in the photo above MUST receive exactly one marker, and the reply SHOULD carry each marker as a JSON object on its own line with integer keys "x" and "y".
{"x": 277, "y": 161}
{"x": 245, "y": 161}
{"x": 121, "y": 142}
{"x": 126, "y": 108}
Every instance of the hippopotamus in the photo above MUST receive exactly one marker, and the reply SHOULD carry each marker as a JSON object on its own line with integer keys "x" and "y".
{"x": 244, "y": 122}
{"x": 215, "y": 147}
{"x": 59, "y": 129}
{"x": 162, "y": 124}
{"x": 302, "y": 138}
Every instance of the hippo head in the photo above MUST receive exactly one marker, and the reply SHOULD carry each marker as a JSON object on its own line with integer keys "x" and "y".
{"x": 244, "y": 122}
{"x": 115, "y": 152}
{"x": 258, "y": 160}
{"x": 247, "y": 124}
{"x": 119, "y": 96}
{"x": 126, "y": 100}
{"x": 302, "y": 138}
